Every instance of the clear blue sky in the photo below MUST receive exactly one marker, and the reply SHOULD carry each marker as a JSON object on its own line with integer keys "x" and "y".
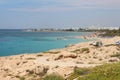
{"x": 58, "y": 13}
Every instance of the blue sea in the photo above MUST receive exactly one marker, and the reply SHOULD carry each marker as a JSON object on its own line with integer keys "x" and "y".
{"x": 15, "y": 41}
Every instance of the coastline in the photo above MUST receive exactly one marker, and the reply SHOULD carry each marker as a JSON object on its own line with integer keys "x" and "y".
{"x": 21, "y": 42}
{"x": 61, "y": 61}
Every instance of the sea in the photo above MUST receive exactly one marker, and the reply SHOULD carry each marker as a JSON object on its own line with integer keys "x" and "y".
{"x": 17, "y": 41}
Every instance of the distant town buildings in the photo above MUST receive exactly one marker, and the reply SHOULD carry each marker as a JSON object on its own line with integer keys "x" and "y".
{"x": 89, "y": 28}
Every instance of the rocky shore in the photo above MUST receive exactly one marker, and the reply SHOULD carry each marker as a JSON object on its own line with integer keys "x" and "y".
{"x": 59, "y": 61}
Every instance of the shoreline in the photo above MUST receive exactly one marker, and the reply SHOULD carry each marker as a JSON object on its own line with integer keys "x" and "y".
{"x": 61, "y": 61}
{"x": 9, "y": 48}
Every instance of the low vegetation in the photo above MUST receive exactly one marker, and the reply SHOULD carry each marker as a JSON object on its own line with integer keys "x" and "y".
{"x": 109, "y": 45}
{"x": 30, "y": 58}
{"x": 78, "y": 72}
{"x": 103, "y": 72}
{"x": 39, "y": 55}
{"x": 82, "y": 50}
{"x": 111, "y": 32}
{"x": 53, "y": 77}
{"x": 52, "y": 52}
{"x": 115, "y": 55}
{"x": 85, "y": 50}
{"x": 20, "y": 78}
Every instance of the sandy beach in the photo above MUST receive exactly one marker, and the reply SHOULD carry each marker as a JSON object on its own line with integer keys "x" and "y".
{"x": 60, "y": 61}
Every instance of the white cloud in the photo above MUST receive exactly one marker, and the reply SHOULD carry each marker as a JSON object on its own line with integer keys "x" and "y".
{"x": 93, "y": 3}
{"x": 43, "y": 9}
{"x": 69, "y": 5}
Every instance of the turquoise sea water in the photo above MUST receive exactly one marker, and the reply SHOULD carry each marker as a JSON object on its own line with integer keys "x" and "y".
{"x": 14, "y": 42}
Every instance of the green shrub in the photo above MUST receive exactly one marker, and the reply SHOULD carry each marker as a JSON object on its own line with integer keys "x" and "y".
{"x": 111, "y": 33}
{"x": 103, "y": 72}
{"x": 78, "y": 72}
{"x": 53, "y": 77}
{"x": 73, "y": 76}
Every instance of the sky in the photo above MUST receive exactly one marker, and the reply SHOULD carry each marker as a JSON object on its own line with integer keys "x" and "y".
{"x": 17, "y": 14}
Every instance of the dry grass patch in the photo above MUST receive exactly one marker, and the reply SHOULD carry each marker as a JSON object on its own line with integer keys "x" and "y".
{"x": 82, "y": 50}
{"x": 30, "y": 58}
{"x": 52, "y": 52}
{"x": 115, "y": 55}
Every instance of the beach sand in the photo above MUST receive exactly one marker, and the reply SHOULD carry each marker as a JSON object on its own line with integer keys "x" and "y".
{"x": 60, "y": 61}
